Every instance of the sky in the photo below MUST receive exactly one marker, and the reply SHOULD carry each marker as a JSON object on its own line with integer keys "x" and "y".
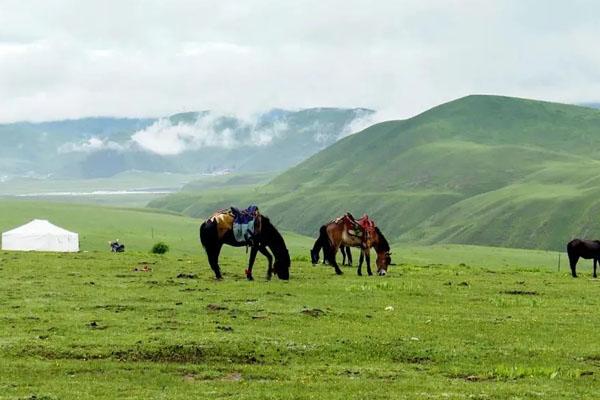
{"x": 69, "y": 59}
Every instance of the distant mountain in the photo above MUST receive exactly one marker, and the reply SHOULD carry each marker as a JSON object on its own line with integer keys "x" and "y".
{"x": 193, "y": 142}
{"x": 478, "y": 170}
{"x": 590, "y": 105}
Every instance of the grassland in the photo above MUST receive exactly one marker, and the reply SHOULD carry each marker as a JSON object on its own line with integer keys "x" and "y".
{"x": 483, "y": 170}
{"x": 447, "y": 322}
{"x": 148, "y": 186}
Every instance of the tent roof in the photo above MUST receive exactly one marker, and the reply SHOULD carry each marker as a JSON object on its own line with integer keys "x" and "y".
{"x": 37, "y": 227}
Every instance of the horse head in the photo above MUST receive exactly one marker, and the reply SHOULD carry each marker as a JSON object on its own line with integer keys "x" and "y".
{"x": 382, "y": 248}
{"x": 273, "y": 239}
{"x": 314, "y": 257}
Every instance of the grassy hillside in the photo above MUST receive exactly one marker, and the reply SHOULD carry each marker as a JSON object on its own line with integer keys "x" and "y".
{"x": 479, "y": 170}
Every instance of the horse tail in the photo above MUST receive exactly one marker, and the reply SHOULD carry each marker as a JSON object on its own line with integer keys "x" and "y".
{"x": 208, "y": 234}
{"x": 326, "y": 245}
{"x": 209, "y": 237}
{"x": 573, "y": 254}
{"x": 571, "y": 246}
{"x": 203, "y": 235}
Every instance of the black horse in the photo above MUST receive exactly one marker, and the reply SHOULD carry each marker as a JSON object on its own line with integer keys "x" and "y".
{"x": 316, "y": 250}
{"x": 585, "y": 249}
{"x": 212, "y": 239}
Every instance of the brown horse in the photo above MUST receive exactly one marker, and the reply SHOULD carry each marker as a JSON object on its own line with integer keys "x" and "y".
{"x": 346, "y": 231}
{"x": 585, "y": 249}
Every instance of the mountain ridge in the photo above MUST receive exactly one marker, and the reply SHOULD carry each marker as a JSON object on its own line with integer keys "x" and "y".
{"x": 481, "y": 169}
{"x": 190, "y": 142}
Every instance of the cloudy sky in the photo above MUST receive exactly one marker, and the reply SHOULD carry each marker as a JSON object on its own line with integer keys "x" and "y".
{"x": 66, "y": 59}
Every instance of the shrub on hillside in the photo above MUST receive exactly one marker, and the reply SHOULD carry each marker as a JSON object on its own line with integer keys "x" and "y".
{"x": 160, "y": 248}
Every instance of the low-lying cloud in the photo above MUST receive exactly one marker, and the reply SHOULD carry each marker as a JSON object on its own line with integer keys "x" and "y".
{"x": 91, "y": 145}
{"x": 170, "y": 136}
{"x": 209, "y": 130}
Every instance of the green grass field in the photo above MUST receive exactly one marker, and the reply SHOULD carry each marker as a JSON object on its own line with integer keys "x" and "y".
{"x": 447, "y": 322}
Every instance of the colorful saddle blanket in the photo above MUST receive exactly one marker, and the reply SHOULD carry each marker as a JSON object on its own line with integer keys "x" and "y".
{"x": 244, "y": 223}
{"x": 362, "y": 227}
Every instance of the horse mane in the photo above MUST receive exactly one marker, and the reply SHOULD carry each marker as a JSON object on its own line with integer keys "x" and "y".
{"x": 271, "y": 234}
{"x": 383, "y": 244}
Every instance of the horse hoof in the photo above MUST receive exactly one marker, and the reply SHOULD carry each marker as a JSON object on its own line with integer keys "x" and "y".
{"x": 250, "y": 277}
{"x": 359, "y": 273}
{"x": 338, "y": 271}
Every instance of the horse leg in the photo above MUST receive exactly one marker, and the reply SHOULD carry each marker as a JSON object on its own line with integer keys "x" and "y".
{"x": 360, "y": 263}
{"x": 253, "y": 251}
{"x": 343, "y": 249}
{"x": 263, "y": 250}
{"x": 213, "y": 259}
{"x": 368, "y": 259}
{"x": 595, "y": 261}
{"x": 349, "y": 254}
{"x": 331, "y": 253}
{"x": 573, "y": 263}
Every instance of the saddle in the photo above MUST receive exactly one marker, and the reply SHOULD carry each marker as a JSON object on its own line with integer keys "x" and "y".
{"x": 245, "y": 225}
{"x": 362, "y": 228}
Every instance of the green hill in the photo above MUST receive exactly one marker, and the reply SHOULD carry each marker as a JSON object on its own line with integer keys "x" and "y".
{"x": 479, "y": 170}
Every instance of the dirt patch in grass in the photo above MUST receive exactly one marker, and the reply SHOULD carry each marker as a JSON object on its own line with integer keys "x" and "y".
{"x": 313, "y": 312}
{"x": 178, "y": 353}
{"x": 521, "y": 292}
{"x": 184, "y": 275}
{"x": 115, "y": 307}
{"x": 216, "y": 307}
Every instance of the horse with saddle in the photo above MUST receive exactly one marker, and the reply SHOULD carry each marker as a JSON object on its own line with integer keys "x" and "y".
{"x": 351, "y": 232}
{"x": 246, "y": 227}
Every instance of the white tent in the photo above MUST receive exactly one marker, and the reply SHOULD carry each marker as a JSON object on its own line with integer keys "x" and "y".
{"x": 40, "y": 235}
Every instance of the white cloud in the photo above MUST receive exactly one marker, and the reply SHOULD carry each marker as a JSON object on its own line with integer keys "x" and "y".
{"x": 166, "y": 138}
{"x": 63, "y": 59}
{"x": 363, "y": 119}
{"x": 89, "y": 146}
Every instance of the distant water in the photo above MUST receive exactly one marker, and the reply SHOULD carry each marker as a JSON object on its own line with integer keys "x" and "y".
{"x": 96, "y": 193}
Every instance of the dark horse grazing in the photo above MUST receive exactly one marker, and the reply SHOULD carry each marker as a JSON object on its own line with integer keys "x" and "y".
{"x": 345, "y": 250}
{"x": 341, "y": 232}
{"x": 585, "y": 249}
{"x": 218, "y": 230}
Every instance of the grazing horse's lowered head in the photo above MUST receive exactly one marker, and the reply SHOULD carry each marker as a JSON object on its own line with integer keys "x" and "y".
{"x": 270, "y": 237}
{"x": 382, "y": 247}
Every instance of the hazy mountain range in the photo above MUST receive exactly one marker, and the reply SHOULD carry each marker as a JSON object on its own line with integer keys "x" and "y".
{"x": 193, "y": 142}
